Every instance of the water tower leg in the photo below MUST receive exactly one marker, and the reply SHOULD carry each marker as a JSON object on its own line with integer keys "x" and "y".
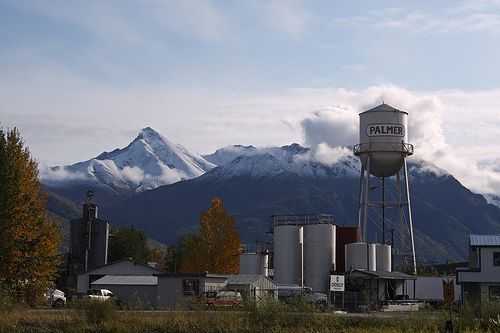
{"x": 412, "y": 239}
{"x": 360, "y": 196}
{"x": 365, "y": 209}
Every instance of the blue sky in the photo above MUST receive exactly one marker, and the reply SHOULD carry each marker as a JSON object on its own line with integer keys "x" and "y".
{"x": 206, "y": 74}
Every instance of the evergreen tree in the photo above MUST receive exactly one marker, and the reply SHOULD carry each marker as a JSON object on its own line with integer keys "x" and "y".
{"x": 29, "y": 240}
{"x": 128, "y": 243}
{"x": 217, "y": 248}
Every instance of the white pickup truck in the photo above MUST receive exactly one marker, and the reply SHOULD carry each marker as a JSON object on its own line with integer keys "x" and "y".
{"x": 103, "y": 295}
{"x": 99, "y": 294}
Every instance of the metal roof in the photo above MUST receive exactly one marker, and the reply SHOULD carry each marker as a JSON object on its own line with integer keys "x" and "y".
{"x": 385, "y": 275}
{"x": 383, "y": 107}
{"x": 484, "y": 240}
{"x": 140, "y": 280}
{"x": 246, "y": 279}
{"x": 121, "y": 260}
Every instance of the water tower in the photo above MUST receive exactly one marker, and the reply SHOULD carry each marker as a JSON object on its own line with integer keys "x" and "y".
{"x": 383, "y": 148}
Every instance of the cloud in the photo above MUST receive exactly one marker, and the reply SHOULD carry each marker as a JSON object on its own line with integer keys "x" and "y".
{"x": 135, "y": 175}
{"x": 335, "y": 126}
{"x": 287, "y": 16}
{"x": 58, "y": 174}
{"x": 170, "y": 176}
{"x": 139, "y": 178}
{"x": 480, "y": 17}
{"x": 327, "y": 155}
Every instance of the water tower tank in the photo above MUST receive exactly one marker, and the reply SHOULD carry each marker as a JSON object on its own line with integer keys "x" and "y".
{"x": 287, "y": 256}
{"x": 319, "y": 254}
{"x": 383, "y": 135}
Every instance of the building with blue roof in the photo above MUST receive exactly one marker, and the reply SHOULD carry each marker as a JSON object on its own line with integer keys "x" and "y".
{"x": 480, "y": 281}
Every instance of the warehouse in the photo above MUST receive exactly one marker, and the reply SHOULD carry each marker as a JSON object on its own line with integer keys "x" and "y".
{"x": 134, "y": 291}
{"x": 125, "y": 266}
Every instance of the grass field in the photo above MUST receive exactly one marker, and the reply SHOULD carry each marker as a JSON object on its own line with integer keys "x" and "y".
{"x": 268, "y": 317}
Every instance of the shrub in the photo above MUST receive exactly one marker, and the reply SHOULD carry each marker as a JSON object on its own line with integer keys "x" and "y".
{"x": 96, "y": 312}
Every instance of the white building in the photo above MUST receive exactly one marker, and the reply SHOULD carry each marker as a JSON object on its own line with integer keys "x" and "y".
{"x": 480, "y": 281}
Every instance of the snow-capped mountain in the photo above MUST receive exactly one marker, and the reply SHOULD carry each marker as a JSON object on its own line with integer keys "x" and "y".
{"x": 149, "y": 161}
{"x": 259, "y": 162}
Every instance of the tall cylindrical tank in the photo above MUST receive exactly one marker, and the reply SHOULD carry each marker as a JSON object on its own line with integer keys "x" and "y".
{"x": 319, "y": 253}
{"x": 287, "y": 256}
{"x": 372, "y": 257}
{"x": 384, "y": 258}
{"x": 254, "y": 263}
{"x": 383, "y": 135}
{"x": 344, "y": 235}
{"x": 356, "y": 256}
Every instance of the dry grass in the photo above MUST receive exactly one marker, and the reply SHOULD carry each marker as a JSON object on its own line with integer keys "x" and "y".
{"x": 270, "y": 317}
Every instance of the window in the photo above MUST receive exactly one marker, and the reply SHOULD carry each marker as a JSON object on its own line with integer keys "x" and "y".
{"x": 494, "y": 292}
{"x": 496, "y": 258}
{"x": 190, "y": 286}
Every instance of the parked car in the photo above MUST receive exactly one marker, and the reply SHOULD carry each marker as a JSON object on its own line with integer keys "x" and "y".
{"x": 55, "y": 298}
{"x": 289, "y": 292}
{"x": 222, "y": 298}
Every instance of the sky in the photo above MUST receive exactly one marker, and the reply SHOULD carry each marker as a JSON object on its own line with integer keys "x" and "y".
{"x": 82, "y": 77}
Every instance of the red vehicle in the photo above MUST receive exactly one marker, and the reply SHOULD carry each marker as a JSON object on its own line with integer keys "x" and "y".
{"x": 222, "y": 298}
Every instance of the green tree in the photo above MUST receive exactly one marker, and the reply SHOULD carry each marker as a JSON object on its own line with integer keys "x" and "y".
{"x": 217, "y": 248}
{"x": 29, "y": 240}
{"x": 128, "y": 243}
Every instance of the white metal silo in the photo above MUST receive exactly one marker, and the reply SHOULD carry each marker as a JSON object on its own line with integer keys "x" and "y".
{"x": 384, "y": 258}
{"x": 319, "y": 255}
{"x": 383, "y": 148}
{"x": 254, "y": 263}
{"x": 287, "y": 254}
{"x": 372, "y": 257}
{"x": 356, "y": 256}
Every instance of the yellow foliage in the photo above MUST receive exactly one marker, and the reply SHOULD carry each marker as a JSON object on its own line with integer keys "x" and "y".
{"x": 217, "y": 249}
{"x": 29, "y": 240}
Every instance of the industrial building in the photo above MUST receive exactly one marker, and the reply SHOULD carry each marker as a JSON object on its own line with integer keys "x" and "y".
{"x": 133, "y": 291}
{"x": 122, "y": 267}
{"x": 480, "y": 281}
{"x": 88, "y": 246}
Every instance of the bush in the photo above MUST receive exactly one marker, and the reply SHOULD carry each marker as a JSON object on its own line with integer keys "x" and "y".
{"x": 97, "y": 312}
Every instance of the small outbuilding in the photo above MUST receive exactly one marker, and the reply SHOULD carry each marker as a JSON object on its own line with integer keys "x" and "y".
{"x": 252, "y": 286}
{"x": 367, "y": 290}
{"x": 179, "y": 289}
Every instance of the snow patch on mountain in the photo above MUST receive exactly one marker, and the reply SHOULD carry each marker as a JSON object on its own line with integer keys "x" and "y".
{"x": 147, "y": 162}
{"x": 492, "y": 199}
{"x": 260, "y": 162}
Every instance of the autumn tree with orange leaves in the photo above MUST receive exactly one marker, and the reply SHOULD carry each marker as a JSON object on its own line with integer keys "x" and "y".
{"x": 217, "y": 248}
{"x": 29, "y": 240}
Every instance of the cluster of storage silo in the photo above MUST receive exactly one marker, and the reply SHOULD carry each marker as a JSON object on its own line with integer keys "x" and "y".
{"x": 368, "y": 256}
{"x": 304, "y": 255}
